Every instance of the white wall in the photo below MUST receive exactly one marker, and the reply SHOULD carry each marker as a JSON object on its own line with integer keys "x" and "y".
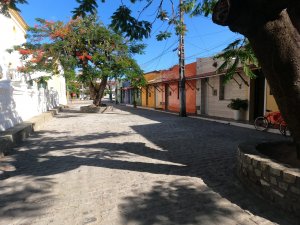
{"x": 57, "y": 84}
{"x": 217, "y": 107}
{"x": 19, "y": 101}
{"x": 12, "y": 33}
{"x": 233, "y": 89}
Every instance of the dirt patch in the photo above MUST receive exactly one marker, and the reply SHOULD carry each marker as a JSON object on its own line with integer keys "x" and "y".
{"x": 282, "y": 152}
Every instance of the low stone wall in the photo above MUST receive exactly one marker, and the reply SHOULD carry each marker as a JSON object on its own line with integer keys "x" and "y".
{"x": 94, "y": 109}
{"x": 271, "y": 180}
{"x": 89, "y": 109}
{"x": 15, "y": 135}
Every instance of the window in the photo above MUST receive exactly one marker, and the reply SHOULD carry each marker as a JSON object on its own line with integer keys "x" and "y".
{"x": 215, "y": 92}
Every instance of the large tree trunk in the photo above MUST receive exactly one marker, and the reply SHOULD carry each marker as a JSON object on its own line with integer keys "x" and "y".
{"x": 100, "y": 92}
{"x": 272, "y": 28}
{"x": 93, "y": 90}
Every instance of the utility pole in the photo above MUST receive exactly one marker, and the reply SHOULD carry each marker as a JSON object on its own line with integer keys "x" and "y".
{"x": 182, "y": 109}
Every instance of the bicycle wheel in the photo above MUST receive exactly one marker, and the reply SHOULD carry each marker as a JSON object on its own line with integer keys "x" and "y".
{"x": 261, "y": 123}
{"x": 283, "y": 128}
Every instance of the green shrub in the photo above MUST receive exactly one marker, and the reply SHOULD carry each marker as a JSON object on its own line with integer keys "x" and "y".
{"x": 237, "y": 104}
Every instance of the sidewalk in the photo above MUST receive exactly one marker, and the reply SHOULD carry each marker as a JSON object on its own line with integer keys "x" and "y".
{"x": 213, "y": 119}
{"x": 17, "y": 134}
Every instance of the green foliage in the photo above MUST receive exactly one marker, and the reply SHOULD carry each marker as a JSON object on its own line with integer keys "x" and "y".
{"x": 42, "y": 81}
{"x": 123, "y": 22}
{"x": 5, "y": 5}
{"x": 237, "y": 104}
{"x": 137, "y": 48}
{"x": 162, "y": 15}
{"x": 85, "y": 7}
{"x": 73, "y": 86}
{"x": 238, "y": 53}
{"x": 180, "y": 28}
{"x": 204, "y": 7}
{"x": 163, "y": 35}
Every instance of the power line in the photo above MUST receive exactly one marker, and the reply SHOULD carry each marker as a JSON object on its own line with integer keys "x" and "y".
{"x": 169, "y": 49}
{"x": 161, "y": 54}
{"x": 200, "y": 37}
{"x": 207, "y": 34}
{"x": 222, "y": 44}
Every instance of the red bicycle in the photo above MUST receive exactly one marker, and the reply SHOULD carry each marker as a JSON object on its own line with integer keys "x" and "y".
{"x": 271, "y": 120}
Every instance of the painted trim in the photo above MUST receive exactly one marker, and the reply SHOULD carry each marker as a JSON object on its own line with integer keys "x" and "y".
{"x": 16, "y": 15}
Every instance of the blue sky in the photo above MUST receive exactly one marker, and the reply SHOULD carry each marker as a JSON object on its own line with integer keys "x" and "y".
{"x": 203, "y": 38}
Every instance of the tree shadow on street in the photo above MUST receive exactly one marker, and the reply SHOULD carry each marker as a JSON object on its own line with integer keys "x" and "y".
{"x": 185, "y": 147}
{"x": 179, "y": 203}
{"x": 208, "y": 151}
{"x": 24, "y": 198}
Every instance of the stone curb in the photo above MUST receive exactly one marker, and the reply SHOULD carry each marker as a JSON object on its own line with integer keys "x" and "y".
{"x": 17, "y": 134}
{"x": 271, "y": 180}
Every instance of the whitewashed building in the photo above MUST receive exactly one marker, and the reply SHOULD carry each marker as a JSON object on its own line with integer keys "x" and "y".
{"x": 20, "y": 96}
{"x": 213, "y": 95}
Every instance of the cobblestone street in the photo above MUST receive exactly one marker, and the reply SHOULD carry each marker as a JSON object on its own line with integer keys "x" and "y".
{"x": 131, "y": 166}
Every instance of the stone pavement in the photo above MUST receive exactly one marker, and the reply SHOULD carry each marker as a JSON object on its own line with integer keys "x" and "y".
{"x": 131, "y": 166}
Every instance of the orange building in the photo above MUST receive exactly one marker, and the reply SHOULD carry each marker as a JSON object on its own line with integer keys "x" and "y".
{"x": 171, "y": 82}
{"x": 162, "y": 91}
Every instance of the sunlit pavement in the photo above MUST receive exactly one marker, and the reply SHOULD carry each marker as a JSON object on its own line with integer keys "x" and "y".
{"x": 131, "y": 166}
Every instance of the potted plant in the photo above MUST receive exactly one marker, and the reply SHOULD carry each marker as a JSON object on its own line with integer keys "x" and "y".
{"x": 239, "y": 106}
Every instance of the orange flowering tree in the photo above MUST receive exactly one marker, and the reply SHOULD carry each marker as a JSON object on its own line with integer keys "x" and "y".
{"x": 84, "y": 45}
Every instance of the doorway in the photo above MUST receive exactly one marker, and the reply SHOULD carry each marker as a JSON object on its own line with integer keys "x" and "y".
{"x": 257, "y": 96}
{"x": 167, "y": 92}
{"x": 147, "y": 95}
{"x": 203, "y": 106}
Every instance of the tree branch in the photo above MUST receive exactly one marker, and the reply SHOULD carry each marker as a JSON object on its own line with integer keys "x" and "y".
{"x": 244, "y": 16}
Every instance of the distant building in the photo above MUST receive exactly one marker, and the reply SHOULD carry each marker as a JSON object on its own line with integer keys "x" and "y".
{"x": 162, "y": 90}
{"x": 206, "y": 92}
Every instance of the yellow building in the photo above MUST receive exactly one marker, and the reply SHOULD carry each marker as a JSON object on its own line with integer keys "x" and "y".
{"x": 270, "y": 101}
{"x": 148, "y": 92}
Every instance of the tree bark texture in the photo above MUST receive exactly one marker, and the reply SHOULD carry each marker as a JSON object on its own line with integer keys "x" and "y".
{"x": 100, "y": 92}
{"x": 92, "y": 90}
{"x": 272, "y": 28}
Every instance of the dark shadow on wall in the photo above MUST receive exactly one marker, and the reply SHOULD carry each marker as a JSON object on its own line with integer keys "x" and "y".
{"x": 201, "y": 149}
{"x": 8, "y": 114}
